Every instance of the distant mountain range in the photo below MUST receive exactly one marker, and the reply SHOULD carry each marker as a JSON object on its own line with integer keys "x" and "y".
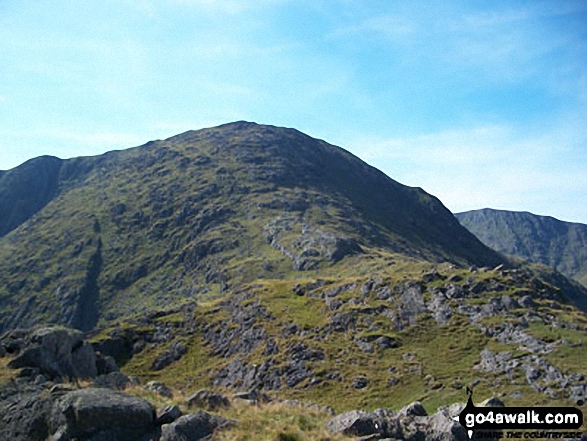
{"x": 537, "y": 239}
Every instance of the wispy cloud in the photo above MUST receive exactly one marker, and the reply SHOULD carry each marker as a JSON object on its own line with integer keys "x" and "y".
{"x": 499, "y": 44}
{"x": 489, "y": 166}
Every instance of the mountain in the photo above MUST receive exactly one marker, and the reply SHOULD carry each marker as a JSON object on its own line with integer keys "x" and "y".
{"x": 96, "y": 238}
{"x": 537, "y": 239}
{"x": 27, "y": 189}
{"x": 257, "y": 259}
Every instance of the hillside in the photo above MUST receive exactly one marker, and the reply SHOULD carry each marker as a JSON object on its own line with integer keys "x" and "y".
{"x": 91, "y": 239}
{"x": 538, "y": 239}
{"x": 408, "y": 340}
{"x": 259, "y": 261}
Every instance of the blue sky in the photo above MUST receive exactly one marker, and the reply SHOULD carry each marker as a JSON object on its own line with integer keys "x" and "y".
{"x": 482, "y": 104}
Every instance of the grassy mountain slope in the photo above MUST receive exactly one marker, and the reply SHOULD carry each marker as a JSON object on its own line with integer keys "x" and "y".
{"x": 419, "y": 332}
{"x": 537, "y": 239}
{"x": 27, "y": 189}
{"x": 248, "y": 257}
{"x": 191, "y": 216}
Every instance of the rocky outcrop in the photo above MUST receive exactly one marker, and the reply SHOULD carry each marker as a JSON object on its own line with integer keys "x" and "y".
{"x": 89, "y": 414}
{"x": 411, "y": 423}
{"x": 193, "y": 427}
{"x": 53, "y": 351}
{"x": 30, "y": 411}
{"x": 177, "y": 350}
{"x": 207, "y": 399}
{"x": 25, "y": 411}
{"x": 311, "y": 246}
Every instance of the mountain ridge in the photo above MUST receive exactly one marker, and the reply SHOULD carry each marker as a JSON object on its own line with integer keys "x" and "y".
{"x": 32, "y": 185}
{"x": 207, "y": 209}
{"x": 535, "y": 238}
{"x": 255, "y": 258}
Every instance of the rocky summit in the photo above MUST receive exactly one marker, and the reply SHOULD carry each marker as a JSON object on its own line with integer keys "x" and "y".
{"x": 251, "y": 282}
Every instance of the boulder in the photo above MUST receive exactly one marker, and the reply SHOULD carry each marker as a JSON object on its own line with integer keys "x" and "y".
{"x": 410, "y": 424}
{"x": 25, "y": 409}
{"x": 83, "y": 361}
{"x": 492, "y": 402}
{"x": 206, "y": 399}
{"x": 168, "y": 415}
{"x": 193, "y": 427}
{"x": 102, "y": 413}
{"x": 113, "y": 380}
{"x": 159, "y": 388}
{"x": 355, "y": 423}
{"x": 253, "y": 396}
{"x": 413, "y": 410}
{"x": 360, "y": 382}
{"x": 105, "y": 364}
{"x": 57, "y": 352}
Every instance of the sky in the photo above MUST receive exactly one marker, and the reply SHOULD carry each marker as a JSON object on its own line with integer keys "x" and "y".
{"x": 480, "y": 103}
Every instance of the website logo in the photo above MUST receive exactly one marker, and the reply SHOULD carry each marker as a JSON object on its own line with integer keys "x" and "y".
{"x": 498, "y": 419}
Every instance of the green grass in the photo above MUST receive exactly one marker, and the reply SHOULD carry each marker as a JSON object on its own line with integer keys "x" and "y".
{"x": 443, "y": 356}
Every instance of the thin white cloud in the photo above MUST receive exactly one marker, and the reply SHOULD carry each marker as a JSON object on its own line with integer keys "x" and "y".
{"x": 450, "y": 147}
{"x": 503, "y": 44}
{"x": 491, "y": 166}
